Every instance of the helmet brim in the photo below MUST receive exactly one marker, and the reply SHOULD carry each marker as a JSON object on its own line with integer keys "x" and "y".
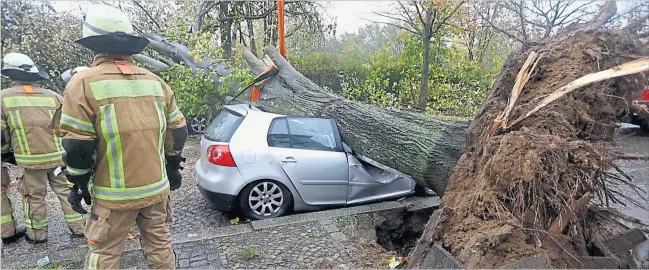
{"x": 119, "y": 43}
{"x": 19, "y": 75}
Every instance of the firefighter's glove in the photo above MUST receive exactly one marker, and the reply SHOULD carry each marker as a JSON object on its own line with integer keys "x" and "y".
{"x": 78, "y": 191}
{"x": 9, "y": 158}
{"x": 173, "y": 170}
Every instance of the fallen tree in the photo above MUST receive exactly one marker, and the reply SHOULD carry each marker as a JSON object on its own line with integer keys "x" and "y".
{"x": 423, "y": 147}
{"x": 537, "y": 186}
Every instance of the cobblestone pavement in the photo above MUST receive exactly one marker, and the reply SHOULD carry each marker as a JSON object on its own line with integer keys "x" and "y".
{"x": 305, "y": 245}
{"x": 191, "y": 212}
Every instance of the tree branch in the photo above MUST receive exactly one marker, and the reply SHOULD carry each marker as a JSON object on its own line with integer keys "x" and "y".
{"x": 251, "y": 17}
{"x": 500, "y": 30}
{"x": 147, "y": 14}
{"x": 448, "y": 16}
{"x": 395, "y": 25}
{"x": 205, "y": 7}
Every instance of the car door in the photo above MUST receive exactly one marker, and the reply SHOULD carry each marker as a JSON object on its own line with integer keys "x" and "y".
{"x": 309, "y": 150}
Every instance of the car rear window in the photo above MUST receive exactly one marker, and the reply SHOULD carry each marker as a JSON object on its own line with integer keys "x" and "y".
{"x": 223, "y": 126}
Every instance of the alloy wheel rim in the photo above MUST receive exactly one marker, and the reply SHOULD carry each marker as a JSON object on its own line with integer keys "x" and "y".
{"x": 265, "y": 198}
{"x": 198, "y": 124}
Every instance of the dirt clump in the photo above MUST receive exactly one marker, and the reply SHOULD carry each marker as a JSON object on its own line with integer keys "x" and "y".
{"x": 533, "y": 188}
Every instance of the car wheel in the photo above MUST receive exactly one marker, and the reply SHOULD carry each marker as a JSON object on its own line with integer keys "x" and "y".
{"x": 197, "y": 124}
{"x": 265, "y": 199}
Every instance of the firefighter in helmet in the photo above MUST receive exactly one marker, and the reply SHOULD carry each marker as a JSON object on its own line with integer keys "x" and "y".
{"x": 126, "y": 117}
{"x": 26, "y": 111}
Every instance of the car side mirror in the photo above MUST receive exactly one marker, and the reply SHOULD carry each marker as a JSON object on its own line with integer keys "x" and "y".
{"x": 347, "y": 149}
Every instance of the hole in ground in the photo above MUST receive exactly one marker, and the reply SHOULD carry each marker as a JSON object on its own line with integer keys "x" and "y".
{"x": 402, "y": 237}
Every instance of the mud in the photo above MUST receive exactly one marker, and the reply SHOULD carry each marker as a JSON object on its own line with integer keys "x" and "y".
{"x": 526, "y": 191}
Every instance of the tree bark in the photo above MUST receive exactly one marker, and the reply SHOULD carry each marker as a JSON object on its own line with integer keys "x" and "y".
{"x": 226, "y": 30}
{"x": 423, "y": 147}
{"x": 251, "y": 32}
{"x": 425, "y": 70}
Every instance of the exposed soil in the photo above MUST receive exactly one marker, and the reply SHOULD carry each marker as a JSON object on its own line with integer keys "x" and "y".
{"x": 507, "y": 191}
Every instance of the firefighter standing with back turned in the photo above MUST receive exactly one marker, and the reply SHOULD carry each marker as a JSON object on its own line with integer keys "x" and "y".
{"x": 129, "y": 117}
{"x": 26, "y": 111}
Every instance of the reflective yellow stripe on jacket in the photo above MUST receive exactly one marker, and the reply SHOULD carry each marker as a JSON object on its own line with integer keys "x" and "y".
{"x": 42, "y": 158}
{"x": 76, "y": 123}
{"x": 160, "y": 109}
{"x": 57, "y": 140}
{"x": 110, "y": 131}
{"x": 28, "y": 101}
{"x": 17, "y": 125}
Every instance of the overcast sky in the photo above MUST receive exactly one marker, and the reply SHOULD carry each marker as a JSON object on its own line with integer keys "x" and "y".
{"x": 350, "y": 15}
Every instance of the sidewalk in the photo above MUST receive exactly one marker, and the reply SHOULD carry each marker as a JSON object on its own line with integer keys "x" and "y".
{"x": 338, "y": 238}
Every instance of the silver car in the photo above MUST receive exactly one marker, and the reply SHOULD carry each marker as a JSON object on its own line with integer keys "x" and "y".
{"x": 267, "y": 164}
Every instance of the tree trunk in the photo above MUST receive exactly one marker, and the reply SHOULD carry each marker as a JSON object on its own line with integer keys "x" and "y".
{"x": 423, "y": 147}
{"x": 425, "y": 70}
{"x": 251, "y": 35}
{"x": 226, "y": 39}
{"x": 226, "y": 30}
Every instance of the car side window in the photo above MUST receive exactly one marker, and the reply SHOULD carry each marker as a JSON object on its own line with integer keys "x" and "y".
{"x": 311, "y": 133}
{"x": 278, "y": 135}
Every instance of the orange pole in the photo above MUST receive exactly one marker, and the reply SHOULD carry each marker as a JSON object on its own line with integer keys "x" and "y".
{"x": 280, "y": 27}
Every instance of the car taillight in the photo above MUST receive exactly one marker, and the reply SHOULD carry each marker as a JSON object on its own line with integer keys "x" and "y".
{"x": 220, "y": 155}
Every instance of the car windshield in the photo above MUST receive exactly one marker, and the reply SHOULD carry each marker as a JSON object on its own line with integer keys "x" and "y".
{"x": 223, "y": 126}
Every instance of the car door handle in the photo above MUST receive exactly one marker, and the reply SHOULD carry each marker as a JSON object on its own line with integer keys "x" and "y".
{"x": 289, "y": 160}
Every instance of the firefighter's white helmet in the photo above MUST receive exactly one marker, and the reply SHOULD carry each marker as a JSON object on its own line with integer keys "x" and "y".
{"x": 18, "y": 66}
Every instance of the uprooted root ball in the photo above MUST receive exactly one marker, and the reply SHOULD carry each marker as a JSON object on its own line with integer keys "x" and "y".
{"x": 514, "y": 194}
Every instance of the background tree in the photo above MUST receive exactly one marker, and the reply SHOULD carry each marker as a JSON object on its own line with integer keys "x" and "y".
{"x": 424, "y": 18}
{"x": 530, "y": 21}
{"x": 35, "y": 28}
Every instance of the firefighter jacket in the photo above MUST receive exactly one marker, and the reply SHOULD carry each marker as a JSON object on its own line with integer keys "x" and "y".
{"x": 26, "y": 112}
{"x": 127, "y": 111}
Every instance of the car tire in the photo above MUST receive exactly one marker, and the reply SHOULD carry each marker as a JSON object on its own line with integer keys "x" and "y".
{"x": 265, "y": 199}
{"x": 196, "y": 125}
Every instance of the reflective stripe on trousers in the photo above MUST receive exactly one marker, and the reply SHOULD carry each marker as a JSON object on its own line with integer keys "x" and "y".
{"x": 29, "y": 223}
{"x": 91, "y": 261}
{"x": 8, "y": 218}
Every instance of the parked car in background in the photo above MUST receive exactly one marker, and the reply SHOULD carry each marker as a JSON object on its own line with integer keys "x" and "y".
{"x": 267, "y": 164}
{"x": 640, "y": 108}
{"x": 197, "y": 124}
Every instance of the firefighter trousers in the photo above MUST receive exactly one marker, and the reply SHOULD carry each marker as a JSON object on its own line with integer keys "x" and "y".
{"x": 33, "y": 186}
{"x": 8, "y": 216}
{"x": 108, "y": 229}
